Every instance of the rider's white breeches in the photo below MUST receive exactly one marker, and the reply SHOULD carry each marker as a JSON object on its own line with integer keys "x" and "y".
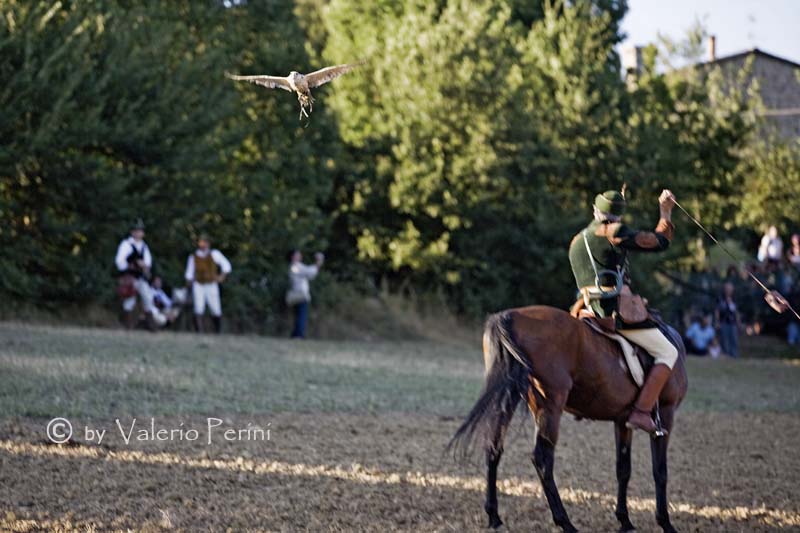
{"x": 655, "y": 342}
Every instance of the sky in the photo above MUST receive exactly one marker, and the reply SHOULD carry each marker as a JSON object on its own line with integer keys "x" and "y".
{"x": 769, "y": 25}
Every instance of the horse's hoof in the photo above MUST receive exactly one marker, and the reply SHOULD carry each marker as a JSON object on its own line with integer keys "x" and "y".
{"x": 626, "y": 526}
{"x": 569, "y": 528}
{"x": 495, "y": 524}
{"x": 667, "y": 528}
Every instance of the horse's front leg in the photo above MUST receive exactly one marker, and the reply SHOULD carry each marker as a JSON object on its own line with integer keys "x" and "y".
{"x": 548, "y": 418}
{"x": 623, "y": 437}
{"x": 658, "y": 448}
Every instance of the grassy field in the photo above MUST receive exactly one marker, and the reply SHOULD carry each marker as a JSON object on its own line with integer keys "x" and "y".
{"x": 360, "y": 428}
{"x": 94, "y": 372}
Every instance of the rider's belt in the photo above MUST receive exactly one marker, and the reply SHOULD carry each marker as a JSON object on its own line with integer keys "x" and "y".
{"x": 593, "y": 288}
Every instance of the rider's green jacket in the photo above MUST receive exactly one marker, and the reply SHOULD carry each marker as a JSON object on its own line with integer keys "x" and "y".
{"x": 610, "y": 243}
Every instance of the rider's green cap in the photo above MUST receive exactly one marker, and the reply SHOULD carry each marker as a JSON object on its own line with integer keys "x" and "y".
{"x": 611, "y": 202}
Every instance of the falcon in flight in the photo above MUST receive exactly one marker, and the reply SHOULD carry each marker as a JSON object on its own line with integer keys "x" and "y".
{"x": 299, "y": 83}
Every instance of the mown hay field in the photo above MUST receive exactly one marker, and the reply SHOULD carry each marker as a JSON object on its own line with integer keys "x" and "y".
{"x": 350, "y": 436}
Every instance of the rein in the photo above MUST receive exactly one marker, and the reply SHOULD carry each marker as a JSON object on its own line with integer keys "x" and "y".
{"x": 774, "y": 298}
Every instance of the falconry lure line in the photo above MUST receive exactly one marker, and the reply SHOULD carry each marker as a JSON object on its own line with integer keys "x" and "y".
{"x": 773, "y": 298}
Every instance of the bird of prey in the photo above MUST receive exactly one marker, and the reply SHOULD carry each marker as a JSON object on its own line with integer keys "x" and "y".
{"x": 299, "y": 83}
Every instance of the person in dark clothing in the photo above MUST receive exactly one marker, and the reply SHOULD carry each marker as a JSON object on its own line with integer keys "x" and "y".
{"x": 728, "y": 321}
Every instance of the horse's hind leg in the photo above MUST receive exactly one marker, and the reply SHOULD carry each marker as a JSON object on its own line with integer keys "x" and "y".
{"x": 548, "y": 418}
{"x": 623, "y": 437}
{"x": 658, "y": 448}
{"x": 494, "y": 451}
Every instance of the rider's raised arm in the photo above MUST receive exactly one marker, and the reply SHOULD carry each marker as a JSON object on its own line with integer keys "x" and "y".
{"x": 645, "y": 241}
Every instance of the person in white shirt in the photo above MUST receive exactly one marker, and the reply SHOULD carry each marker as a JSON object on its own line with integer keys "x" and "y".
{"x": 771, "y": 248}
{"x": 206, "y": 268}
{"x": 134, "y": 262}
{"x": 299, "y": 294}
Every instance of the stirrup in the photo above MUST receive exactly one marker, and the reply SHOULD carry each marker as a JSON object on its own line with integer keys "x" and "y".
{"x": 660, "y": 431}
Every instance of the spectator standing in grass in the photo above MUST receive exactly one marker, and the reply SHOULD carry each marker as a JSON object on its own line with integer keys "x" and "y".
{"x": 793, "y": 328}
{"x": 299, "y": 294}
{"x": 206, "y": 268}
{"x": 771, "y": 249}
{"x": 727, "y": 318}
{"x": 134, "y": 263}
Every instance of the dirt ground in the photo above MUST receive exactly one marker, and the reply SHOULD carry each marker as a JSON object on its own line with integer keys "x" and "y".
{"x": 728, "y": 472}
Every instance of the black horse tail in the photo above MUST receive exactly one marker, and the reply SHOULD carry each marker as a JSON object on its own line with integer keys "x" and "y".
{"x": 507, "y": 381}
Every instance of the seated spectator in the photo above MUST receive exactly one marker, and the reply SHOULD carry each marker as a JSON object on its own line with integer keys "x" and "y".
{"x": 728, "y": 320}
{"x": 700, "y": 336}
{"x": 164, "y": 312}
{"x": 714, "y": 350}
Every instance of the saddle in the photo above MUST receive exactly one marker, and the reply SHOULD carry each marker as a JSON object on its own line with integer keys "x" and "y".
{"x": 635, "y": 358}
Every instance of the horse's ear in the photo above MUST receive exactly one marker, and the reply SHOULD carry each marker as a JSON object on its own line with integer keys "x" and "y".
{"x": 624, "y": 189}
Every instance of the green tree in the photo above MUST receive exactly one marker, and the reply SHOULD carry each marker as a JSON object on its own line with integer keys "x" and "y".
{"x": 771, "y": 190}
{"x": 478, "y": 129}
{"x": 112, "y": 110}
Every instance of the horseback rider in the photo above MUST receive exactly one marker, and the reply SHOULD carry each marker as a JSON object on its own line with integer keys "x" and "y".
{"x": 598, "y": 256}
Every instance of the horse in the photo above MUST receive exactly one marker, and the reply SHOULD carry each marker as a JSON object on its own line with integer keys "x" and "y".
{"x": 556, "y": 363}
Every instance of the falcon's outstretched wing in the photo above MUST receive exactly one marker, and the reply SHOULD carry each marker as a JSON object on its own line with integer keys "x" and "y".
{"x": 324, "y": 75}
{"x": 273, "y": 82}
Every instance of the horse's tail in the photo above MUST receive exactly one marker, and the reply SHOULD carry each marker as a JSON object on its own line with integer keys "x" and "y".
{"x": 507, "y": 381}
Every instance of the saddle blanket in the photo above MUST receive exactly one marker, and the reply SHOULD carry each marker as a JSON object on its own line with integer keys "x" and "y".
{"x": 628, "y": 351}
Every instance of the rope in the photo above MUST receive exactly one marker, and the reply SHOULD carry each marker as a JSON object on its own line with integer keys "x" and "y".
{"x": 724, "y": 249}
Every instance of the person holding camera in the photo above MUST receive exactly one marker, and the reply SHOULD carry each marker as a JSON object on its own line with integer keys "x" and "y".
{"x": 299, "y": 294}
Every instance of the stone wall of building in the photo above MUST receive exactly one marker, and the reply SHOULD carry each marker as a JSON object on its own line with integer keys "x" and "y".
{"x": 779, "y": 87}
{"x": 780, "y": 91}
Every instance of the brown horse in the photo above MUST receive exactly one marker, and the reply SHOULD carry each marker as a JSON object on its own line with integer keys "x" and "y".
{"x": 556, "y": 363}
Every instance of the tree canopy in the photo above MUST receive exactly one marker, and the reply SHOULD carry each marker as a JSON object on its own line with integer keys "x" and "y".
{"x": 459, "y": 160}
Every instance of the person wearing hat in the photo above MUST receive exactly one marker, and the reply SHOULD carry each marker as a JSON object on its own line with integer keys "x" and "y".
{"x": 206, "y": 268}
{"x": 598, "y": 256}
{"x": 134, "y": 262}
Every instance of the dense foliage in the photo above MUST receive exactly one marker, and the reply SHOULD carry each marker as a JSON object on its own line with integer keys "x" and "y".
{"x": 458, "y": 161}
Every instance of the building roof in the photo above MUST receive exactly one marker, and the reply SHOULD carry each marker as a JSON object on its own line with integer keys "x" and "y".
{"x": 746, "y": 53}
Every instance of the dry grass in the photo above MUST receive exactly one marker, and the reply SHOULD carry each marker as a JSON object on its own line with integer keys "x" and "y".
{"x": 357, "y": 434}
{"x": 388, "y": 473}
